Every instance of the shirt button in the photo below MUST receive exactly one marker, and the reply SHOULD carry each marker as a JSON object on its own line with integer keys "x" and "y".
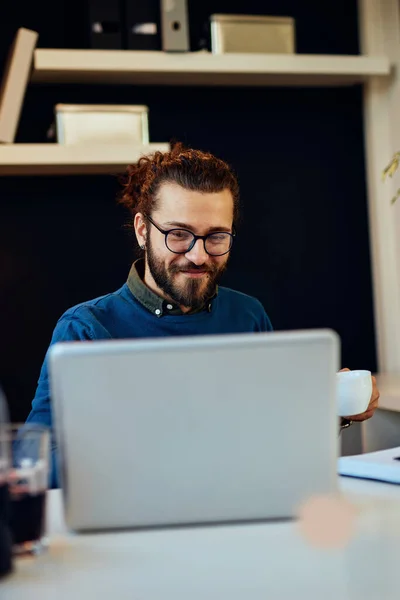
{"x": 157, "y": 311}
{"x": 169, "y": 306}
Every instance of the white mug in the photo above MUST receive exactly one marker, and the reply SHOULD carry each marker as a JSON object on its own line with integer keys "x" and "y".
{"x": 354, "y": 389}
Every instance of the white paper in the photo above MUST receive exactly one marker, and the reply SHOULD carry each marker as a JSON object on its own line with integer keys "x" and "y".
{"x": 381, "y": 466}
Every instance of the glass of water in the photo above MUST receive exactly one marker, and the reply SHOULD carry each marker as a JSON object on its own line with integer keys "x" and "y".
{"x": 28, "y": 483}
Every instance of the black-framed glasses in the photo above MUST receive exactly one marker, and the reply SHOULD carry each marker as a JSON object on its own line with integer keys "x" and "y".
{"x": 181, "y": 241}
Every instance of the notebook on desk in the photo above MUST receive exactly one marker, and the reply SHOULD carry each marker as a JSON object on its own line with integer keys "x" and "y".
{"x": 383, "y": 465}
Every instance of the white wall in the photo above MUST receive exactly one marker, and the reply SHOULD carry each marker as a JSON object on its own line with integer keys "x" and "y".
{"x": 380, "y": 35}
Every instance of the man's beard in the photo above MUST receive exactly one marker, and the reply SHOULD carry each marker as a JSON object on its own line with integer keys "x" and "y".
{"x": 194, "y": 293}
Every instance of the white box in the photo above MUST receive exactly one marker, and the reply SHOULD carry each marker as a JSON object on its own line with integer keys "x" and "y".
{"x": 101, "y": 124}
{"x": 254, "y": 34}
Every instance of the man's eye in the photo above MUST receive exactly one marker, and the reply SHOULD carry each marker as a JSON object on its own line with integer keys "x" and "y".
{"x": 218, "y": 238}
{"x": 180, "y": 235}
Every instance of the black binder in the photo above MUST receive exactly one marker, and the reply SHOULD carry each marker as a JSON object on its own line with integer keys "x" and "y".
{"x": 105, "y": 23}
{"x": 142, "y": 24}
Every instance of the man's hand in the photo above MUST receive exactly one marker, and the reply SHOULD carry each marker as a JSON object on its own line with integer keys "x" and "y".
{"x": 373, "y": 403}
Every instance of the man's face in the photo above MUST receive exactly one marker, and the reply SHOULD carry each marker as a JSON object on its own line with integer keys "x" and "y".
{"x": 187, "y": 279}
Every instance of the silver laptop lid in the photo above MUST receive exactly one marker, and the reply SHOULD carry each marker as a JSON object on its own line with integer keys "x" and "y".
{"x": 193, "y": 430}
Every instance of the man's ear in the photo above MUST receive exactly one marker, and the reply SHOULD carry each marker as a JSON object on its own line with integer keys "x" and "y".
{"x": 139, "y": 224}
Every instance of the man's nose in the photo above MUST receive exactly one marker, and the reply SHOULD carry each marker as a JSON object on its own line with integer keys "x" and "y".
{"x": 197, "y": 255}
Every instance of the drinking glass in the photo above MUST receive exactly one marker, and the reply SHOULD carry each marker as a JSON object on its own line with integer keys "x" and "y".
{"x": 28, "y": 482}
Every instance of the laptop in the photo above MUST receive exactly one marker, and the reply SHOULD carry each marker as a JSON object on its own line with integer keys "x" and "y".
{"x": 194, "y": 430}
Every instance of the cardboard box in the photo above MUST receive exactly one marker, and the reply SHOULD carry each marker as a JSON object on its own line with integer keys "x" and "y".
{"x": 98, "y": 123}
{"x": 254, "y": 34}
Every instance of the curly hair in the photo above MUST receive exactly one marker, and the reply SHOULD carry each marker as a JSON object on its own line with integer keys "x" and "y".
{"x": 191, "y": 169}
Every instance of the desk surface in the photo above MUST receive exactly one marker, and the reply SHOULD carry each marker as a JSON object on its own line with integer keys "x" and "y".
{"x": 246, "y": 562}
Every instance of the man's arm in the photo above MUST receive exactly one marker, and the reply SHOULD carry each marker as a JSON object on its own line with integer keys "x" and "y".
{"x": 67, "y": 329}
{"x": 266, "y": 323}
{"x": 261, "y": 319}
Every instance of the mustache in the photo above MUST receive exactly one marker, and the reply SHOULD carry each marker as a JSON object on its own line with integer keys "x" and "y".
{"x": 192, "y": 267}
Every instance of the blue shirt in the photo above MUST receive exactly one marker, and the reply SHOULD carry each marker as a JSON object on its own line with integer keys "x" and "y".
{"x": 120, "y": 315}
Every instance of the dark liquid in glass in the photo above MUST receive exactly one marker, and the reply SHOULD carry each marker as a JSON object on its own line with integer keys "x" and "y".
{"x": 27, "y": 517}
{"x": 5, "y": 533}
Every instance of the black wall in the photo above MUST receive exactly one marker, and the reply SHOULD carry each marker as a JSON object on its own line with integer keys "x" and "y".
{"x": 303, "y": 247}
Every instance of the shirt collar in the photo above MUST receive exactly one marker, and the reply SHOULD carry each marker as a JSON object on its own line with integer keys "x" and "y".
{"x": 154, "y": 303}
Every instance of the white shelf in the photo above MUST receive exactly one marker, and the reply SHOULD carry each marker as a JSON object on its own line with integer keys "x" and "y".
{"x": 55, "y": 159}
{"x": 203, "y": 68}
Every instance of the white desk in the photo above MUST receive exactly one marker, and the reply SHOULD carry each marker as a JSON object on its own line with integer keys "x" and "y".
{"x": 246, "y": 562}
